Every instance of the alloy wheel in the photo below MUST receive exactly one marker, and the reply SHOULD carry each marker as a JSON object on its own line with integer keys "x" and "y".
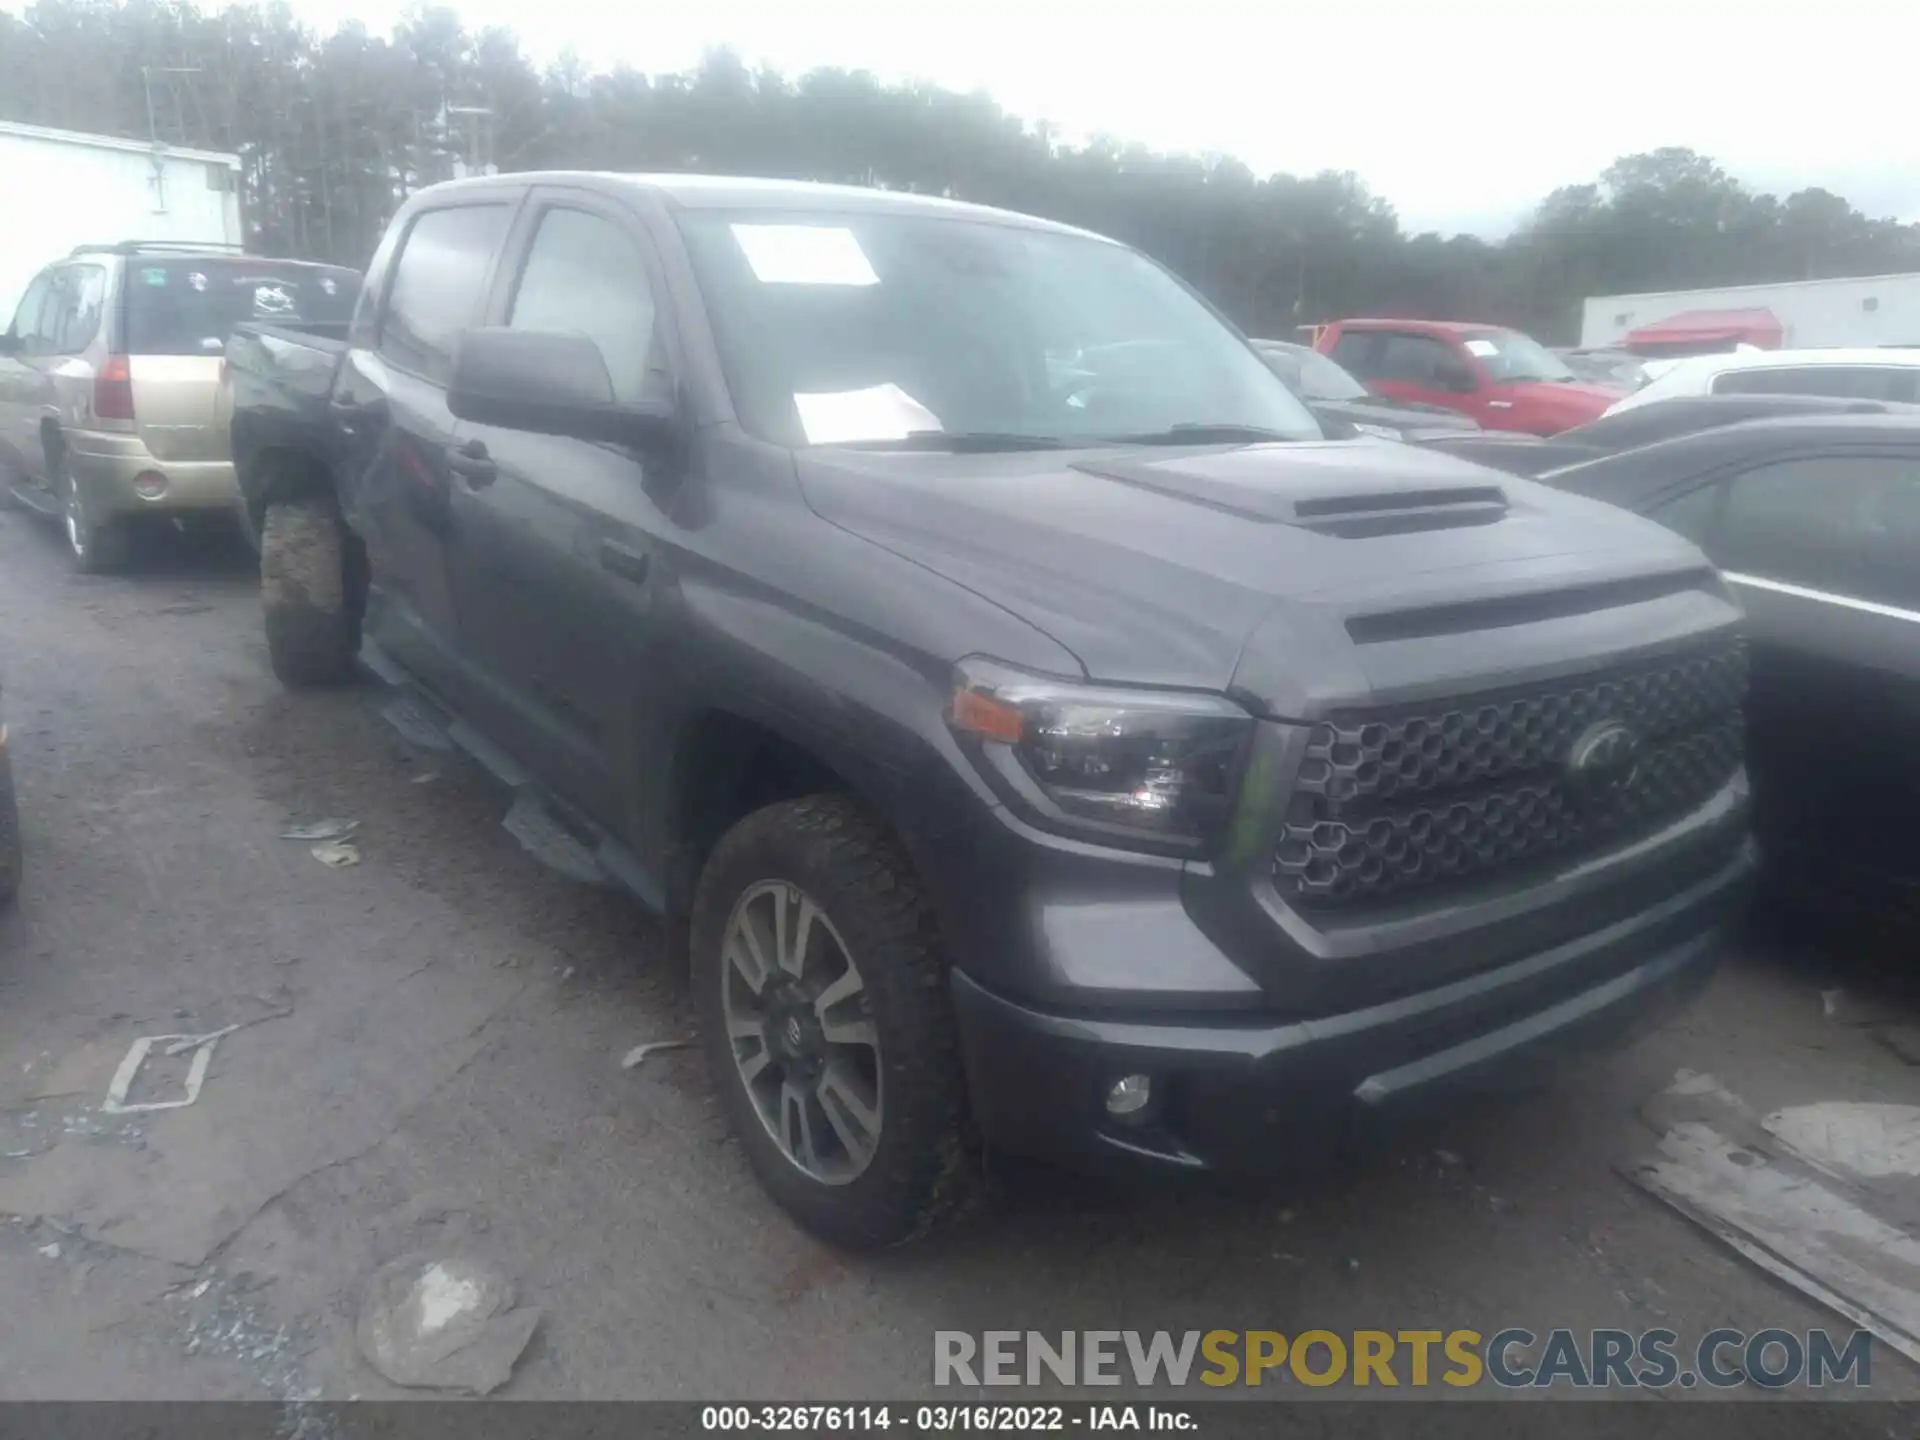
{"x": 802, "y": 1036}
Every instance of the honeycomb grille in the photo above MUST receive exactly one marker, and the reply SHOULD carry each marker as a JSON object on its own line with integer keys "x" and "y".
{"x": 1407, "y": 801}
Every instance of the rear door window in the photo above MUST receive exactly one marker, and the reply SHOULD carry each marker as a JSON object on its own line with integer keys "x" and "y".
{"x": 1357, "y": 352}
{"x": 1848, "y": 382}
{"x": 188, "y": 305}
{"x": 26, "y": 315}
{"x": 1414, "y": 360}
{"x": 80, "y": 293}
{"x": 438, "y": 284}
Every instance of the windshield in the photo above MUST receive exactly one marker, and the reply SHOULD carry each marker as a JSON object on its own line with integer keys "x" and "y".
{"x": 1310, "y": 373}
{"x": 1510, "y": 356}
{"x": 859, "y": 327}
{"x": 188, "y": 306}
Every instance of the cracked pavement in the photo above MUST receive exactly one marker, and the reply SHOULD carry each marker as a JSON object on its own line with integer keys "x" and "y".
{"x": 446, "y": 1078}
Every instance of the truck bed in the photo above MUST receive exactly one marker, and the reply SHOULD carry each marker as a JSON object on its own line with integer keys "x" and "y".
{"x": 274, "y": 392}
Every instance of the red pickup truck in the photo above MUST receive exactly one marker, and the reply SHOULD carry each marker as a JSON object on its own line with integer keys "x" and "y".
{"x": 1503, "y": 379}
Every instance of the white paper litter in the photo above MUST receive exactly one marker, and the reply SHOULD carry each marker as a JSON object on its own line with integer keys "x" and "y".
{"x": 639, "y": 1053}
{"x": 881, "y": 412}
{"x": 336, "y": 853}
{"x": 202, "y": 1045}
{"x": 805, "y": 255}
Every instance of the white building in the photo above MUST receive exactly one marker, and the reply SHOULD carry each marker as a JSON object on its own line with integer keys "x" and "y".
{"x": 1805, "y": 314}
{"x": 64, "y": 189}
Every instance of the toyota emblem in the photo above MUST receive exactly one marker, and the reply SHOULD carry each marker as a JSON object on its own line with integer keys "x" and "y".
{"x": 1603, "y": 761}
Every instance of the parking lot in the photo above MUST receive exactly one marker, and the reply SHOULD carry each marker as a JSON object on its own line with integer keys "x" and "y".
{"x": 428, "y": 1059}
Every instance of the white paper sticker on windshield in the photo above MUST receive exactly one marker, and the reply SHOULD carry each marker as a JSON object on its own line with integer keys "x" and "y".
{"x": 883, "y": 412}
{"x": 805, "y": 255}
{"x": 1483, "y": 348}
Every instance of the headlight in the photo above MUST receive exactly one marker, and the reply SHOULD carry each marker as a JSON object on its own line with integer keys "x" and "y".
{"x": 1132, "y": 767}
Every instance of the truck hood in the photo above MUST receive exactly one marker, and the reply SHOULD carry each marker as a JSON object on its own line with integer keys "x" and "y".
{"x": 1160, "y": 567}
{"x": 1402, "y": 415}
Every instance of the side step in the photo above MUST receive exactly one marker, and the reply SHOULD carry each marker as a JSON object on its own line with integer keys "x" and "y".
{"x": 37, "y": 498}
{"x": 564, "y": 841}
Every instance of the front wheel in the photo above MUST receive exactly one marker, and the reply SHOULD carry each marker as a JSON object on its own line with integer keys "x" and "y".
{"x": 306, "y": 593}
{"x": 822, "y": 990}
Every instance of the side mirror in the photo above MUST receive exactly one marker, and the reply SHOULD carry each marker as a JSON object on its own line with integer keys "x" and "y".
{"x": 1456, "y": 375}
{"x": 550, "y": 384}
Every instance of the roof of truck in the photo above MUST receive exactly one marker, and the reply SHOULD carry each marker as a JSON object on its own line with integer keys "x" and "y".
{"x": 735, "y": 192}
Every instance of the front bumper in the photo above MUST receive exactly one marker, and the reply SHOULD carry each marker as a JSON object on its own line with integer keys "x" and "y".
{"x": 1250, "y": 1093}
{"x": 104, "y": 465}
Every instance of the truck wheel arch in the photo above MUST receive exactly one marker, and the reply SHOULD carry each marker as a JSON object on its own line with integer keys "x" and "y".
{"x": 726, "y": 766}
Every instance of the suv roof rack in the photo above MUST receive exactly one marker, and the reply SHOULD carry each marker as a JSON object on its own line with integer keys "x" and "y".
{"x": 162, "y": 247}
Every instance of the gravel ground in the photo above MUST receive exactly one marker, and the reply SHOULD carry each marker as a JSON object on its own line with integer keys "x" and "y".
{"x": 428, "y": 1060}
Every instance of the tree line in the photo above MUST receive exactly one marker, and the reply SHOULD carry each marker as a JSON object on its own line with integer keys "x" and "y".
{"x": 335, "y": 130}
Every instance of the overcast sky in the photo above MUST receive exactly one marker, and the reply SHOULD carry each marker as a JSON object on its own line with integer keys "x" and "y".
{"x": 1462, "y": 113}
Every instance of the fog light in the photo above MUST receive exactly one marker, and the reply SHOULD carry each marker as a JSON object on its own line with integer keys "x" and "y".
{"x": 150, "y": 485}
{"x": 1129, "y": 1095}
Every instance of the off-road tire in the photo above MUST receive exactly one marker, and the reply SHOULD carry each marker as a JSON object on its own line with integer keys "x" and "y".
{"x": 306, "y": 593}
{"x": 924, "y": 1170}
{"x": 10, "y": 863}
{"x": 96, "y": 547}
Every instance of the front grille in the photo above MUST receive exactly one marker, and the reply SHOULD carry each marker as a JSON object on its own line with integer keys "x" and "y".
{"x": 1408, "y": 801}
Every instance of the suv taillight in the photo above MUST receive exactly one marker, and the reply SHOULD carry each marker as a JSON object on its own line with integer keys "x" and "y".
{"x": 113, "y": 390}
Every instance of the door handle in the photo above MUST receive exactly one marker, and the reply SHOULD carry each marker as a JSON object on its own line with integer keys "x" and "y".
{"x": 473, "y": 465}
{"x": 624, "y": 561}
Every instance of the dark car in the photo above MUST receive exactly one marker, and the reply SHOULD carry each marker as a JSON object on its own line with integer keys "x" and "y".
{"x": 1040, "y": 732}
{"x": 1339, "y": 400}
{"x": 1643, "y": 425}
{"x": 1815, "y": 520}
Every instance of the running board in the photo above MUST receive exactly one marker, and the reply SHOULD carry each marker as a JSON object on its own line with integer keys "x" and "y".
{"x": 38, "y": 499}
{"x": 552, "y": 832}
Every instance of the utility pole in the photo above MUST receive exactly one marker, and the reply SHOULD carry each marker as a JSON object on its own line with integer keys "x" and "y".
{"x": 479, "y": 140}
{"x": 147, "y": 72}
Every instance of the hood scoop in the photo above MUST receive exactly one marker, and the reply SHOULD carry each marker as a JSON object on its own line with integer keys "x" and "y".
{"x": 1287, "y": 486}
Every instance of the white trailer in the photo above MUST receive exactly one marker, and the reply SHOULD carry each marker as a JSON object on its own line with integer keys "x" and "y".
{"x": 59, "y": 189}
{"x": 1869, "y": 310}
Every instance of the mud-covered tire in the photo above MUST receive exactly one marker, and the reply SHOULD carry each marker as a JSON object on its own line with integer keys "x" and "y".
{"x": 313, "y": 631}
{"x": 10, "y": 861}
{"x": 923, "y": 1169}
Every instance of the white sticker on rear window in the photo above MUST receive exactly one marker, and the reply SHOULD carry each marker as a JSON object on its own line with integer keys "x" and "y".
{"x": 272, "y": 300}
{"x": 882, "y": 412}
{"x": 197, "y": 280}
{"x": 1482, "y": 348}
{"x": 805, "y": 255}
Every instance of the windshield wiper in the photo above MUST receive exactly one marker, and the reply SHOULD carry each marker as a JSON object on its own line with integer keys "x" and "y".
{"x": 1202, "y": 433}
{"x": 961, "y": 442}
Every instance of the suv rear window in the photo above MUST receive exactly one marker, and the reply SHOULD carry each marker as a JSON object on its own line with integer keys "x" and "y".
{"x": 188, "y": 306}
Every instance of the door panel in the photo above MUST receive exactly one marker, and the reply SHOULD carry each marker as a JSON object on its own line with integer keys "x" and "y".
{"x": 554, "y": 580}
{"x": 391, "y": 408}
{"x": 554, "y": 537}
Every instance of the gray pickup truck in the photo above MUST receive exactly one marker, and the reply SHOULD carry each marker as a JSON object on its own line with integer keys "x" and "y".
{"x": 1037, "y": 732}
